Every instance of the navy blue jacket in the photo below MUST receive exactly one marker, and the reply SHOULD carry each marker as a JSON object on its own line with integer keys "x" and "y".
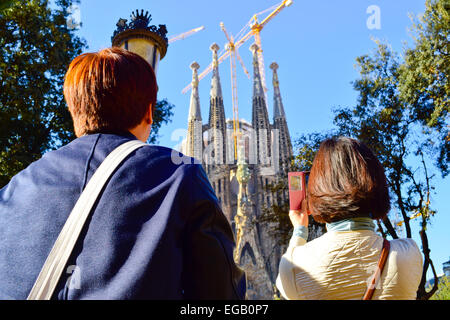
{"x": 157, "y": 231}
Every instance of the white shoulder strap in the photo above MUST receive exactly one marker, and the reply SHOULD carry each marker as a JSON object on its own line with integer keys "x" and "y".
{"x": 57, "y": 259}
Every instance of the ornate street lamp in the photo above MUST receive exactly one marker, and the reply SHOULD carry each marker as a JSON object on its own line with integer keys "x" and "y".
{"x": 137, "y": 36}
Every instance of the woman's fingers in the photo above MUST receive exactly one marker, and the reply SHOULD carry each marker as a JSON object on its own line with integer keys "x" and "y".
{"x": 298, "y": 218}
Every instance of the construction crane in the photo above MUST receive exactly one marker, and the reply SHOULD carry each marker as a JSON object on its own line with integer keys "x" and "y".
{"x": 234, "y": 54}
{"x": 255, "y": 30}
{"x": 186, "y": 34}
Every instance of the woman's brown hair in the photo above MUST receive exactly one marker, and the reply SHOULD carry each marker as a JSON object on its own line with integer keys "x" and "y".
{"x": 346, "y": 181}
{"x": 109, "y": 91}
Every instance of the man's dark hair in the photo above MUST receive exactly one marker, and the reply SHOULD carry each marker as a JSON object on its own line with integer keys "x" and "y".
{"x": 109, "y": 91}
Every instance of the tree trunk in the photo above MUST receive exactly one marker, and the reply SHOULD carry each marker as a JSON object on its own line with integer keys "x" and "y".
{"x": 422, "y": 294}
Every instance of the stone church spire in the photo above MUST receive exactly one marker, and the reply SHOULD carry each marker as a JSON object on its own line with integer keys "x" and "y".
{"x": 217, "y": 121}
{"x": 216, "y": 88}
{"x": 194, "y": 136}
{"x": 260, "y": 116}
{"x": 194, "y": 108}
{"x": 279, "y": 121}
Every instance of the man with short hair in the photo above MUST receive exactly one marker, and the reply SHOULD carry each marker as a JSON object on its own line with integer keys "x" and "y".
{"x": 157, "y": 230}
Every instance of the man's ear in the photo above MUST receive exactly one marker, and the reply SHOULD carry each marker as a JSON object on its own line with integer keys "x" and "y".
{"x": 149, "y": 115}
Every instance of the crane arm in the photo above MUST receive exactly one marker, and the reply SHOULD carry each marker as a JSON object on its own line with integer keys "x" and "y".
{"x": 259, "y": 26}
{"x": 242, "y": 64}
{"x": 281, "y": 6}
{"x": 234, "y": 49}
{"x": 186, "y": 34}
{"x": 230, "y": 39}
{"x": 244, "y": 38}
{"x": 285, "y": 3}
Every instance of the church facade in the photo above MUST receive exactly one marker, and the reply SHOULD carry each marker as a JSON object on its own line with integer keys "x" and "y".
{"x": 240, "y": 177}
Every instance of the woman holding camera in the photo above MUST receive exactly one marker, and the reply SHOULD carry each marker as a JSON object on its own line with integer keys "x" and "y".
{"x": 347, "y": 190}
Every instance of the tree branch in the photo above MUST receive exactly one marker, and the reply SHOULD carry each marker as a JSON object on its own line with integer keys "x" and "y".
{"x": 422, "y": 294}
{"x": 387, "y": 223}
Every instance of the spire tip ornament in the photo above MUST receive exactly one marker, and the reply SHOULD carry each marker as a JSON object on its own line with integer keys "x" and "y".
{"x": 274, "y": 66}
{"x": 254, "y": 48}
{"x": 194, "y": 66}
{"x": 214, "y": 47}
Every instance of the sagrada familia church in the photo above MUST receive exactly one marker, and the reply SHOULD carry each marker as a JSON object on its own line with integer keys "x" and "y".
{"x": 263, "y": 150}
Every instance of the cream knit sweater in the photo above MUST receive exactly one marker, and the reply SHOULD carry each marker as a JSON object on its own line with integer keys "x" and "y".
{"x": 338, "y": 266}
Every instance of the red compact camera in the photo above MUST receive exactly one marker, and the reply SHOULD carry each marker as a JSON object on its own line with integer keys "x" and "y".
{"x": 297, "y": 188}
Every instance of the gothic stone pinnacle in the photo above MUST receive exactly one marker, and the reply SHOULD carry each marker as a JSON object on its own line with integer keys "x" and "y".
{"x": 194, "y": 65}
{"x": 274, "y": 66}
{"x": 214, "y": 47}
{"x": 254, "y": 48}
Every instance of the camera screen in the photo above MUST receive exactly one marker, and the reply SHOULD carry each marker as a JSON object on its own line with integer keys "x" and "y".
{"x": 296, "y": 183}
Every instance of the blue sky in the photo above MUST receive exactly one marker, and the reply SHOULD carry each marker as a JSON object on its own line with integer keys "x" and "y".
{"x": 315, "y": 44}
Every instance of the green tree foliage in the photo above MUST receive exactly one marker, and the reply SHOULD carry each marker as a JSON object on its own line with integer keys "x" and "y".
{"x": 5, "y": 4}
{"x": 36, "y": 47}
{"x": 162, "y": 114}
{"x": 425, "y": 75}
{"x": 443, "y": 292}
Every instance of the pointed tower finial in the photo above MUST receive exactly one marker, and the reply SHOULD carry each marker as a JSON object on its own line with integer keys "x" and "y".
{"x": 278, "y": 109}
{"x": 216, "y": 88}
{"x": 216, "y": 123}
{"x": 194, "y": 66}
{"x": 194, "y": 109}
{"x": 260, "y": 116}
{"x": 274, "y": 67}
{"x": 215, "y": 48}
{"x": 257, "y": 82}
{"x": 280, "y": 123}
{"x": 194, "y": 141}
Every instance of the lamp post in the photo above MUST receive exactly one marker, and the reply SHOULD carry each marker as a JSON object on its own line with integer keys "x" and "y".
{"x": 137, "y": 36}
